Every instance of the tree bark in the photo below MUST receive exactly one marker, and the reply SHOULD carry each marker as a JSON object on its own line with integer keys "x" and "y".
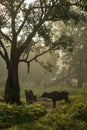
{"x": 12, "y": 87}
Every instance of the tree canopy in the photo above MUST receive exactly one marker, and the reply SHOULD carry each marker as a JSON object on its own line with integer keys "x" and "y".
{"x": 25, "y": 28}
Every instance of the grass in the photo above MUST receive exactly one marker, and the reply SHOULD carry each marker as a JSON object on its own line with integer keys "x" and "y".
{"x": 63, "y": 117}
{"x": 71, "y": 116}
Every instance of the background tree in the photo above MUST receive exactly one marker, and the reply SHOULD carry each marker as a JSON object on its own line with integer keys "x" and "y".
{"x": 23, "y": 27}
{"x": 73, "y": 66}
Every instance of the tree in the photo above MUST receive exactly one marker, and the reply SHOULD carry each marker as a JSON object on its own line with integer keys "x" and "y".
{"x": 73, "y": 66}
{"x": 23, "y": 27}
{"x": 79, "y": 59}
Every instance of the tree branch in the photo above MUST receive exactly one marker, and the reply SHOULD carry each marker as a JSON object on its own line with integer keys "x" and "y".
{"x": 29, "y": 38}
{"x": 25, "y": 19}
{"x": 5, "y": 36}
{"x": 5, "y": 55}
{"x": 21, "y": 26}
{"x": 18, "y": 7}
{"x": 35, "y": 57}
{"x": 41, "y": 4}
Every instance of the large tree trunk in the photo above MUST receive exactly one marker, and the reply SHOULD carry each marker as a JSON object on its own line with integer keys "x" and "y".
{"x": 12, "y": 88}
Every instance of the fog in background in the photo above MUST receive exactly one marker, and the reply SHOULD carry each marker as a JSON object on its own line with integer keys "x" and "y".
{"x": 36, "y": 75}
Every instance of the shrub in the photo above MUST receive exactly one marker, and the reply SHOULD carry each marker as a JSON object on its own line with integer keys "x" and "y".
{"x": 71, "y": 116}
{"x": 66, "y": 117}
{"x": 78, "y": 111}
{"x": 13, "y": 114}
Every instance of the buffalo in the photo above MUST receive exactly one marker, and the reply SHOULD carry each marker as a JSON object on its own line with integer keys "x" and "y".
{"x": 57, "y": 96}
{"x": 30, "y": 97}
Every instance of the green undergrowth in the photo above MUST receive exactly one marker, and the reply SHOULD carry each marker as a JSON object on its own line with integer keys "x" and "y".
{"x": 71, "y": 116}
{"x": 66, "y": 117}
{"x": 11, "y": 115}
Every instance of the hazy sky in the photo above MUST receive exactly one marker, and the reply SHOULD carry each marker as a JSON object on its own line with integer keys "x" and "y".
{"x": 29, "y": 1}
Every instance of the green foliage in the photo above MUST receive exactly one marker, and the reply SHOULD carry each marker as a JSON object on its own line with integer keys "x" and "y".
{"x": 66, "y": 117}
{"x": 66, "y": 42}
{"x": 26, "y": 126}
{"x": 78, "y": 111}
{"x": 61, "y": 11}
{"x": 48, "y": 66}
{"x": 45, "y": 33}
{"x": 71, "y": 116}
{"x": 83, "y": 4}
{"x": 13, "y": 114}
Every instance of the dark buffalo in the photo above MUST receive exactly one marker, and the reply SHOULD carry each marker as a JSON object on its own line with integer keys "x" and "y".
{"x": 57, "y": 96}
{"x": 30, "y": 97}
